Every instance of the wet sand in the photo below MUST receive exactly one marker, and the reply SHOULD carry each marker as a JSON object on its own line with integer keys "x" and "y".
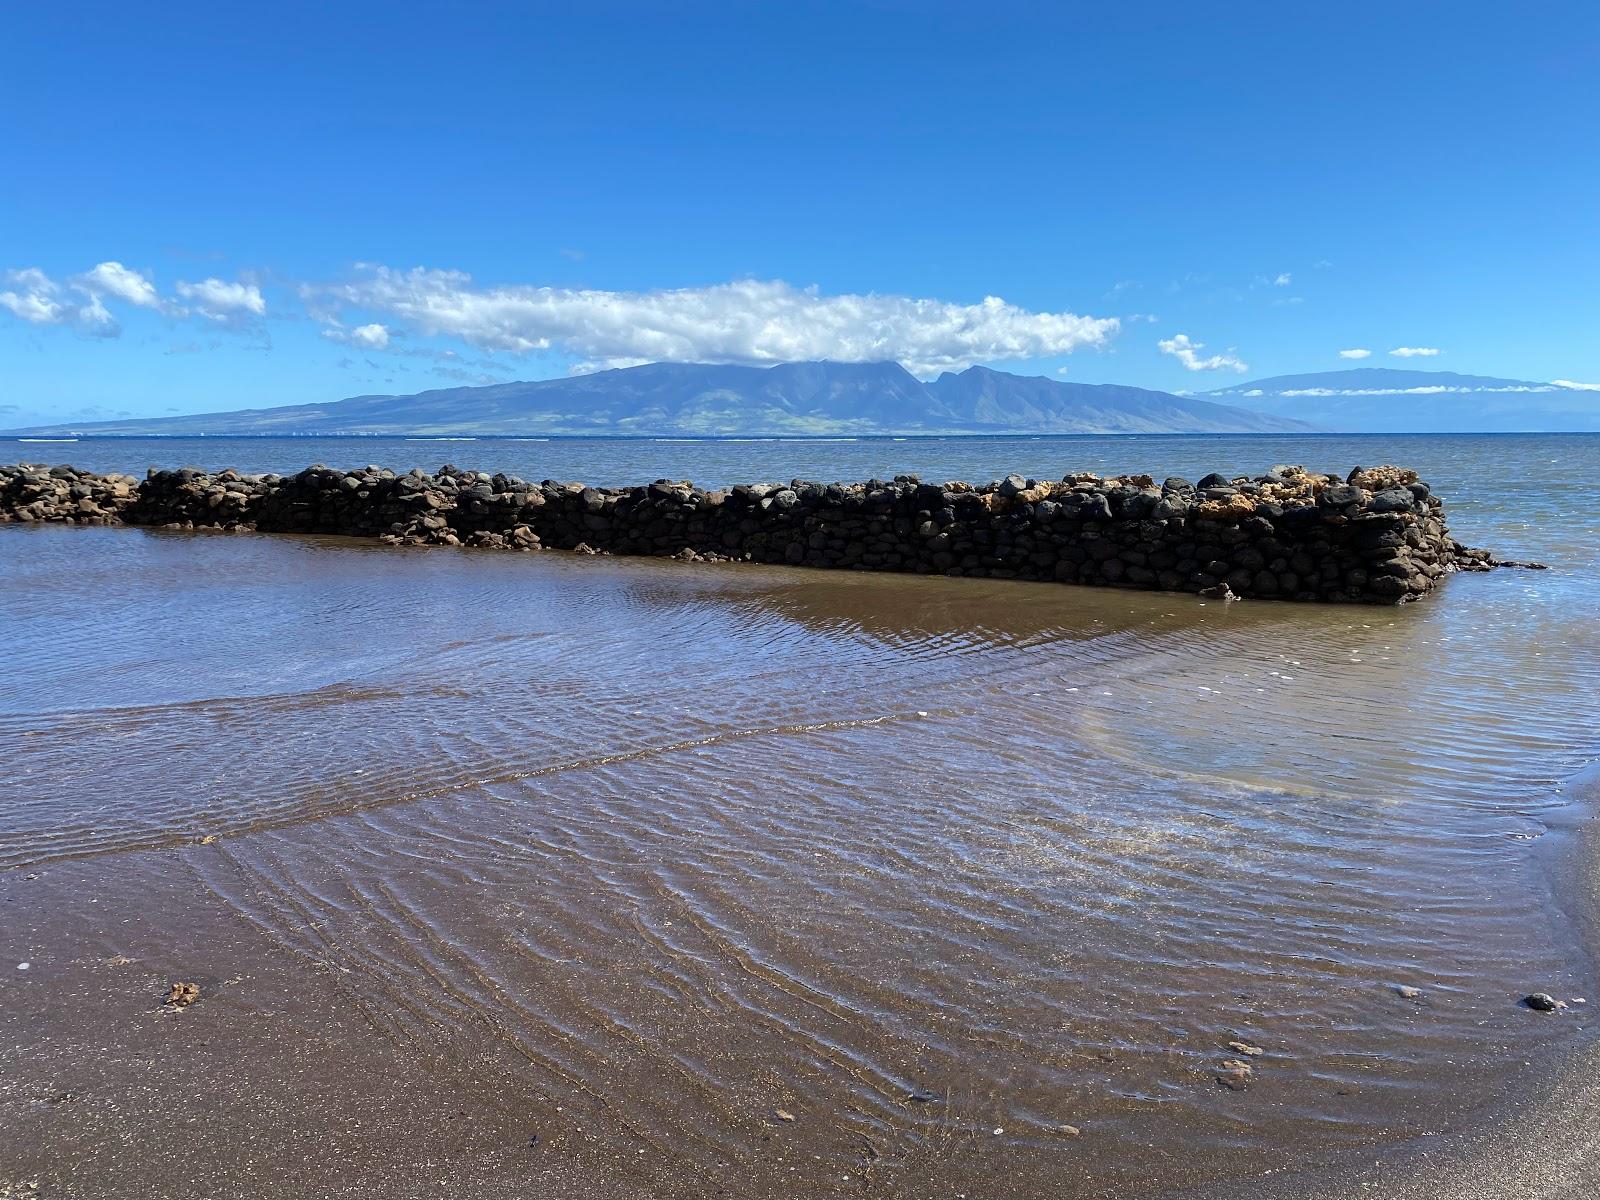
{"x": 555, "y": 877}
{"x": 1541, "y": 1138}
{"x": 280, "y": 1081}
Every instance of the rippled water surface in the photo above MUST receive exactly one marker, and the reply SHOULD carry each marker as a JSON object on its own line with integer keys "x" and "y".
{"x": 935, "y": 866}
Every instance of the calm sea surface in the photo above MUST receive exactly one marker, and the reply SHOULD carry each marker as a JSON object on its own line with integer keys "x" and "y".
{"x": 937, "y": 866}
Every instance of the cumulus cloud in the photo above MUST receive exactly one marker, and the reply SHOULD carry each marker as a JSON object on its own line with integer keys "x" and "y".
{"x": 367, "y": 337}
{"x": 1358, "y": 352}
{"x": 81, "y": 300}
{"x": 749, "y": 321}
{"x": 1187, "y": 351}
{"x": 34, "y": 297}
{"x": 123, "y": 283}
{"x": 224, "y": 302}
{"x": 373, "y": 337}
{"x": 1415, "y": 351}
{"x": 1576, "y": 386}
{"x": 1283, "y": 279}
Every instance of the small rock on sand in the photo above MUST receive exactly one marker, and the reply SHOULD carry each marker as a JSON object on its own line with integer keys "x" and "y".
{"x": 1543, "y": 1002}
{"x": 1406, "y": 992}
{"x": 783, "y": 1114}
{"x": 1236, "y": 1074}
{"x": 1245, "y": 1048}
{"x": 183, "y": 994}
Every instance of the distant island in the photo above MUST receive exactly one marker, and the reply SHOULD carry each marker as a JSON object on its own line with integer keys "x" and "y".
{"x": 697, "y": 400}
{"x": 819, "y": 399}
{"x": 1386, "y": 400}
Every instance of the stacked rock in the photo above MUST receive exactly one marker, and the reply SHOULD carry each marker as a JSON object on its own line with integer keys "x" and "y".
{"x": 190, "y": 498}
{"x": 1375, "y": 535}
{"x": 31, "y": 494}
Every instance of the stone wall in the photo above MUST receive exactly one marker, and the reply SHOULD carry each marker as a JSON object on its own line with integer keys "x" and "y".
{"x": 1376, "y": 536}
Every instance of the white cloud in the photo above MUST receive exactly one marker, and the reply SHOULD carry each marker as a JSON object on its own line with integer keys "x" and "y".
{"x": 749, "y": 321}
{"x": 82, "y": 300}
{"x": 1358, "y": 352}
{"x": 114, "y": 279}
{"x": 36, "y": 298}
{"x": 1575, "y": 386}
{"x": 1284, "y": 279}
{"x": 1188, "y": 353}
{"x": 366, "y": 337}
{"x": 1415, "y": 351}
{"x": 219, "y": 300}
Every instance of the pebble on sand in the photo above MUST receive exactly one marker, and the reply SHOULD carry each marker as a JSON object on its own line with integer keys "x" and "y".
{"x": 1544, "y": 1002}
{"x": 183, "y": 994}
{"x": 1236, "y": 1074}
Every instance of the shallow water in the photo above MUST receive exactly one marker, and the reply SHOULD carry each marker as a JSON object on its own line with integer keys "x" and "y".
{"x": 687, "y": 844}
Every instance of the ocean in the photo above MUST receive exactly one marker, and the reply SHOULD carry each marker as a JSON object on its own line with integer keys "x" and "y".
{"x": 975, "y": 881}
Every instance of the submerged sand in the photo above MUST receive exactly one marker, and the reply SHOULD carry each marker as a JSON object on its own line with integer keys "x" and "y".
{"x": 506, "y": 878}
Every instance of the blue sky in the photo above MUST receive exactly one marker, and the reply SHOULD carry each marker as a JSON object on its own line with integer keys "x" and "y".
{"x": 244, "y": 205}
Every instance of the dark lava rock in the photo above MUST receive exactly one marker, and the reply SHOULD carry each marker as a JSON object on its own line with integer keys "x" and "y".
{"x": 1543, "y": 1002}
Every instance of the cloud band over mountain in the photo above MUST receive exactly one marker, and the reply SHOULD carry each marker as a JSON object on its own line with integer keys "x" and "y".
{"x": 753, "y": 322}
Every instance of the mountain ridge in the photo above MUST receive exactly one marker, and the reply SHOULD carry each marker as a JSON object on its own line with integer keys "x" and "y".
{"x": 691, "y": 399}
